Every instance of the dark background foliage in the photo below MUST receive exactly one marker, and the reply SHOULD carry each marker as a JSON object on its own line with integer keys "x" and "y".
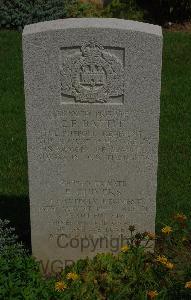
{"x": 18, "y": 13}
{"x": 163, "y": 11}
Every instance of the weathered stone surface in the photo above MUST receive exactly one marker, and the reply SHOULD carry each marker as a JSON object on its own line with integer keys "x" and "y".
{"x": 92, "y": 90}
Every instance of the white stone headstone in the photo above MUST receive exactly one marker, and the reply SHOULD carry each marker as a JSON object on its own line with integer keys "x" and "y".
{"x": 92, "y": 89}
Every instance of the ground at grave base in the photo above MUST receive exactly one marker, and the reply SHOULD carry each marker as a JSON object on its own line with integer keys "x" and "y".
{"x": 134, "y": 273}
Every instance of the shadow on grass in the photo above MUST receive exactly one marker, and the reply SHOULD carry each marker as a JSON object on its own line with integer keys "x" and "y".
{"x": 16, "y": 210}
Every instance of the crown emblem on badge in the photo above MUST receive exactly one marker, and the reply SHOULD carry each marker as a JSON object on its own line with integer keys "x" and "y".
{"x": 92, "y": 75}
{"x": 92, "y": 48}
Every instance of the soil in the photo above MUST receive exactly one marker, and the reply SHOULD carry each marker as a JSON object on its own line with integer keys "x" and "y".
{"x": 185, "y": 27}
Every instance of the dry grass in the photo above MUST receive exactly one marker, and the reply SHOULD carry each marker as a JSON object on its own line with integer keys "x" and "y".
{"x": 185, "y": 27}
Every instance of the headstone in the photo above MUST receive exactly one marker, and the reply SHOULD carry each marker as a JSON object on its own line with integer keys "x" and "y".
{"x": 92, "y": 89}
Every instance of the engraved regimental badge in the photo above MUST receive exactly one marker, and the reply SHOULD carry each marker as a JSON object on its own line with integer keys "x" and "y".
{"x": 92, "y": 74}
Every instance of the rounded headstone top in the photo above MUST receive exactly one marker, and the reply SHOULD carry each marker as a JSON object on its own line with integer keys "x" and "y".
{"x": 120, "y": 24}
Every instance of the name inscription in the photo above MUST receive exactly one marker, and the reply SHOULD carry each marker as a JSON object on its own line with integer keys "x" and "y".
{"x": 91, "y": 136}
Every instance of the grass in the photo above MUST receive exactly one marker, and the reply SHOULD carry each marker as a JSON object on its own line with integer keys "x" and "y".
{"x": 14, "y": 202}
{"x": 174, "y": 172}
{"x": 13, "y": 159}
